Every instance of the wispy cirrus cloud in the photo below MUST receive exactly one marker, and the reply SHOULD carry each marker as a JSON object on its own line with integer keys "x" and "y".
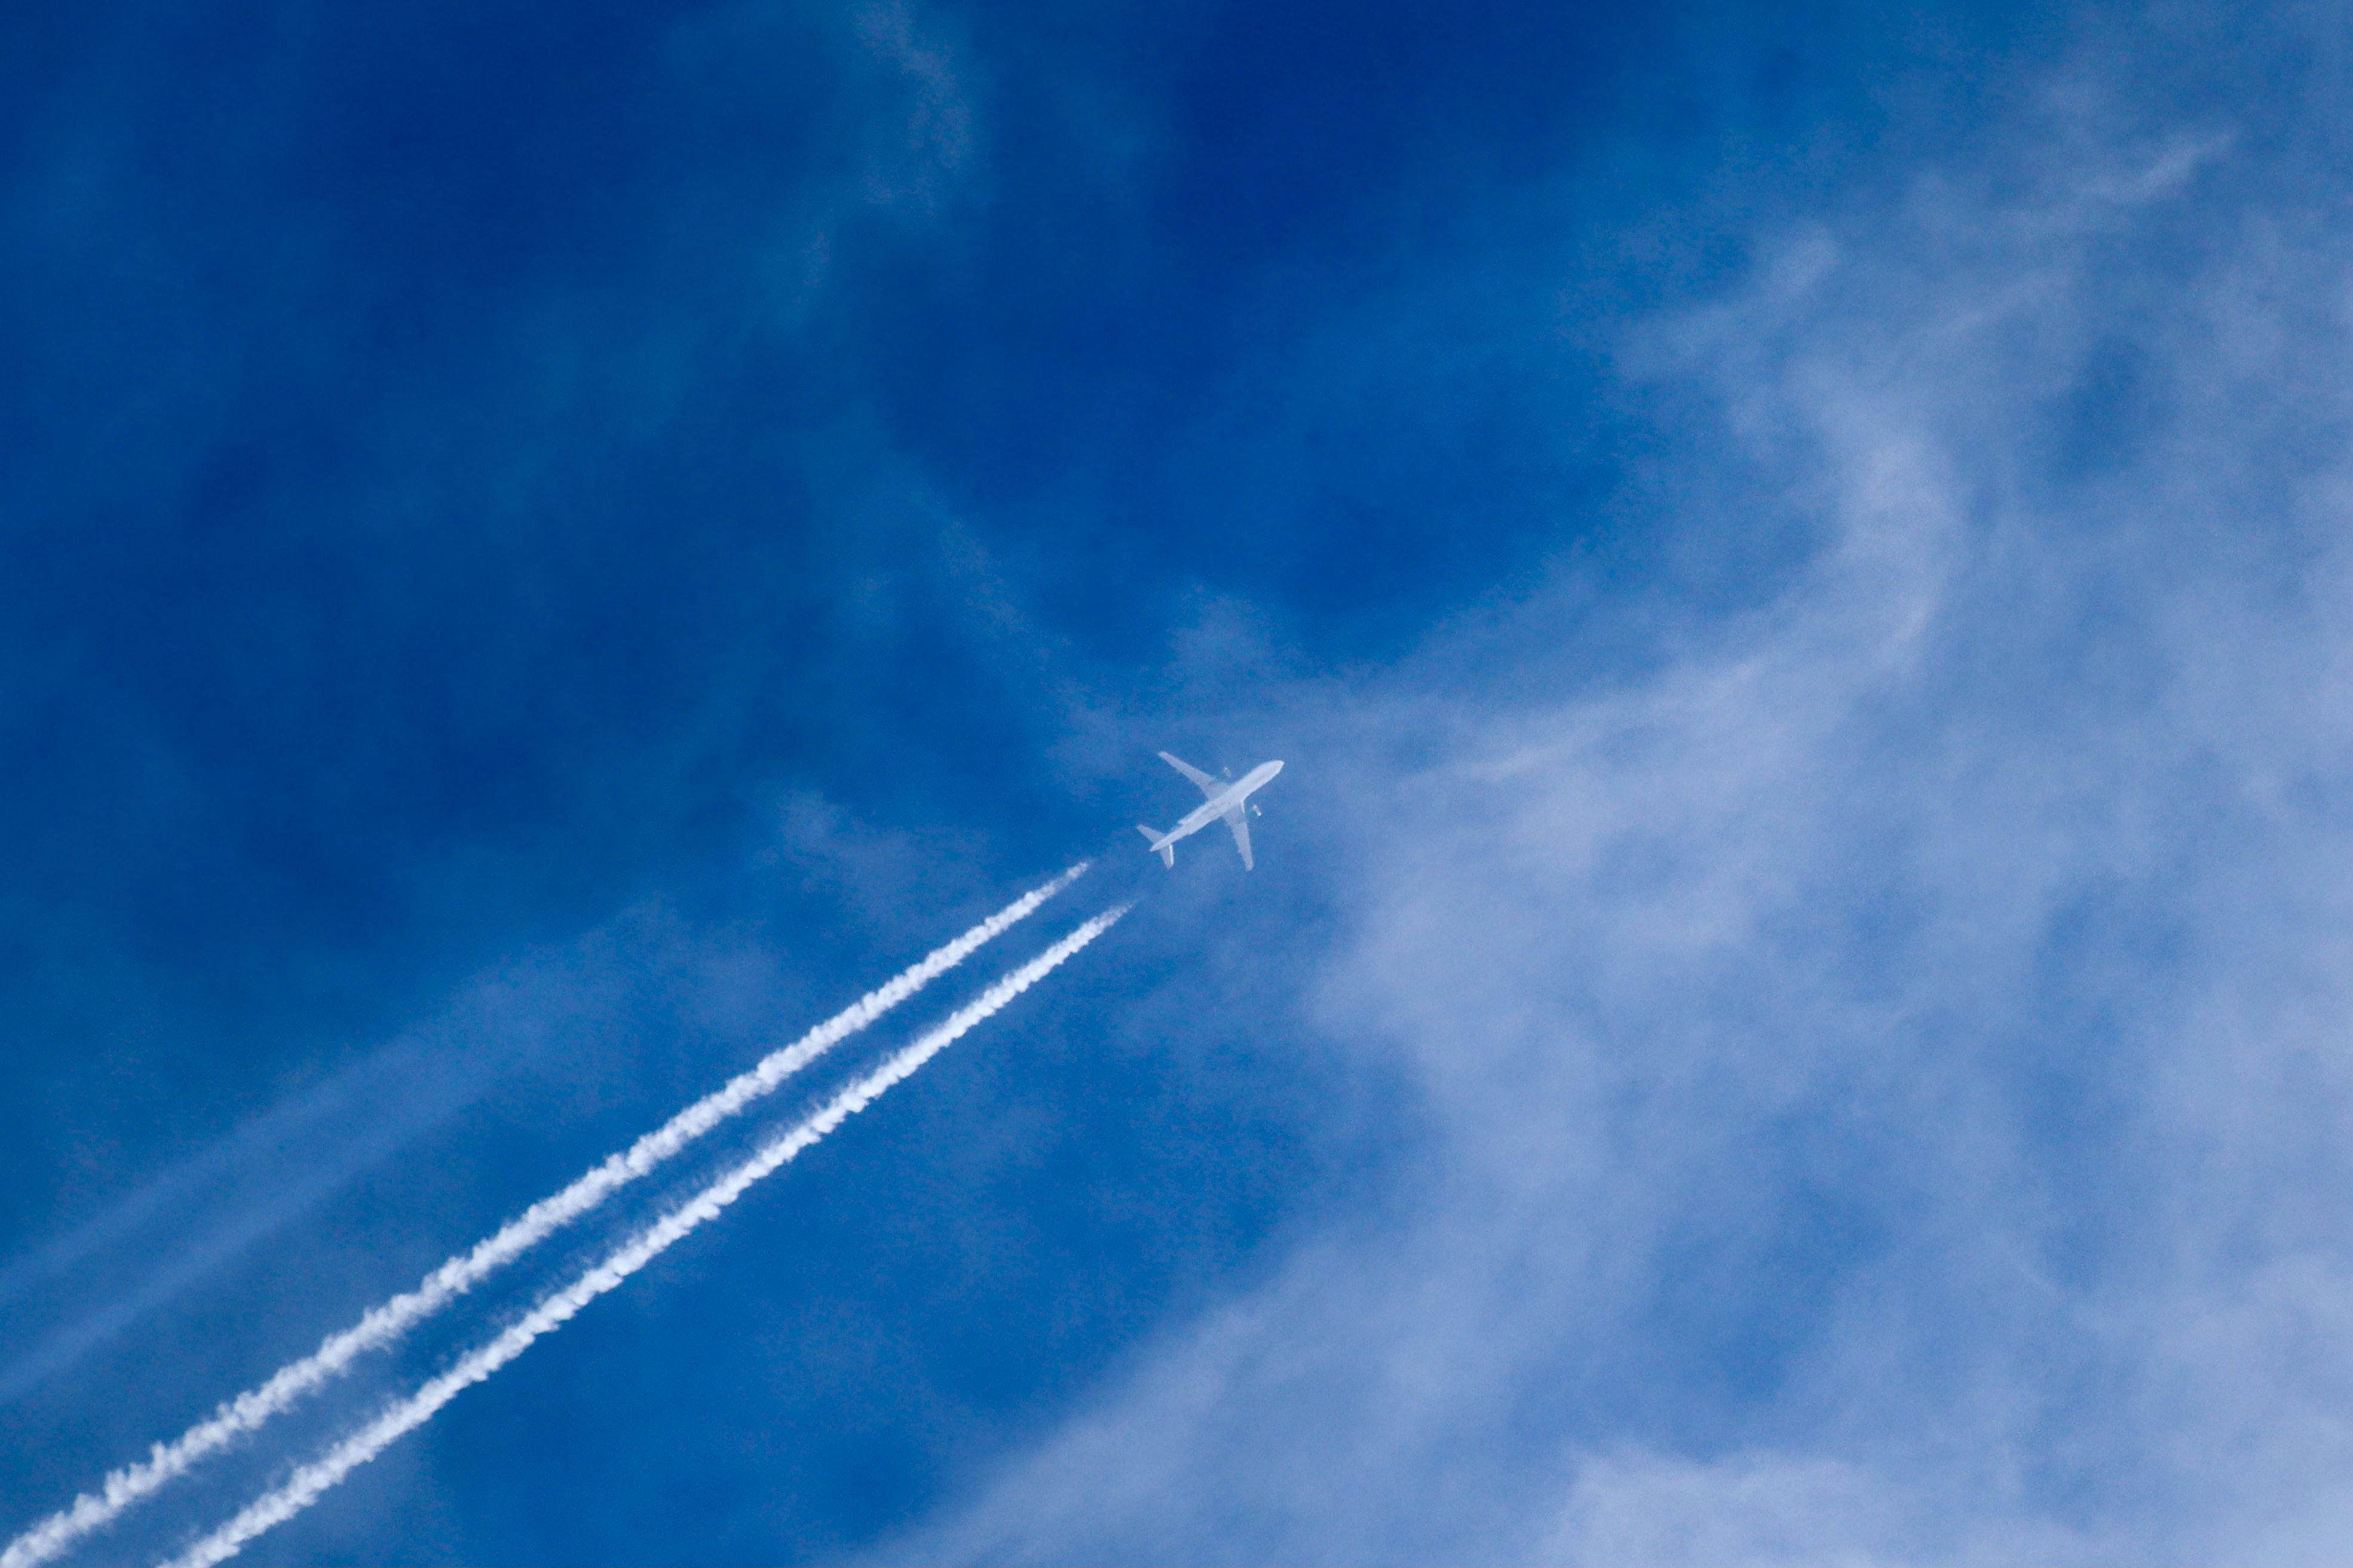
{"x": 1884, "y": 1060}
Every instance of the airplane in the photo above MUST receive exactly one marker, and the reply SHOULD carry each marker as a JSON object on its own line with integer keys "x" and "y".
{"x": 1222, "y": 798}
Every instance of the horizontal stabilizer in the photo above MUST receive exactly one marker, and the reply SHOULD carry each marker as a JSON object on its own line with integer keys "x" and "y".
{"x": 1165, "y": 848}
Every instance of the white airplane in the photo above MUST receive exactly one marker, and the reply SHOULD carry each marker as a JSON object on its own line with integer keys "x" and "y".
{"x": 1224, "y": 797}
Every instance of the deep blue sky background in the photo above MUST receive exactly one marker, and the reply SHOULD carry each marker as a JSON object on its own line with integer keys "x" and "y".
{"x": 427, "y": 536}
{"x": 544, "y": 551}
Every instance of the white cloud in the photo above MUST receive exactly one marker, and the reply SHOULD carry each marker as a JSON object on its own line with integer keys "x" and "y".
{"x": 1884, "y": 1070}
{"x": 1635, "y": 1509}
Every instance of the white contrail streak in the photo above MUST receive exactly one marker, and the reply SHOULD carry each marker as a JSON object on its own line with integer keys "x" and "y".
{"x": 309, "y": 1483}
{"x": 383, "y": 1323}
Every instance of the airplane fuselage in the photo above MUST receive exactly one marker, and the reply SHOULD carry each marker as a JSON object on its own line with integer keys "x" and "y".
{"x": 1215, "y": 808}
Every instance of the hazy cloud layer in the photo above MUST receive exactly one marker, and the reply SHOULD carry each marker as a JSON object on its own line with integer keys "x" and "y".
{"x": 1885, "y": 1064}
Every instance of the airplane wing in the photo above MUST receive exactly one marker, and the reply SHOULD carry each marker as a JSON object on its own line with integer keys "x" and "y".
{"x": 1209, "y": 786}
{"x": 1239, "y": 820}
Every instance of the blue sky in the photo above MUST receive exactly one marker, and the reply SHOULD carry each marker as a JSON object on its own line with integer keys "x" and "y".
{"x": 1792, "y": 1006}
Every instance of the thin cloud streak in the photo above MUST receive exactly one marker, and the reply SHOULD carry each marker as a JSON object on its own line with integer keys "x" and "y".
{"x": 313, "y": 1480}
{"x": 382, "y": 1324}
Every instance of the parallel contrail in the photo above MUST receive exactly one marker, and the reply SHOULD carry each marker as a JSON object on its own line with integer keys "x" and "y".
{"x": 383, "y": 1323}
{"x": 309, "y": 1483}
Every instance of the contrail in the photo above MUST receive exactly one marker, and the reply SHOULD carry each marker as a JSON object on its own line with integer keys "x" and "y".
{"x": 312, "y": 1482}
{"x": 383, "y": 1323}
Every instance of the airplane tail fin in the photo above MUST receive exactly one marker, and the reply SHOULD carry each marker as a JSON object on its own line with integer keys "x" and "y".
{"x": 1162, "y": 846}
